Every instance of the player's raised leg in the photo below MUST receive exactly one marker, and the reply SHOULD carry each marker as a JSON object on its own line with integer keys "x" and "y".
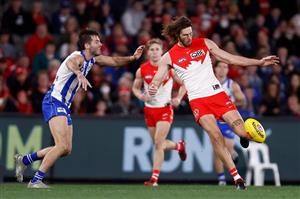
{"x": 208, "y": 122}
{"x": 236, "y": 122}
{"x": 21, "y": 161}
{"x": 62, "y": 134}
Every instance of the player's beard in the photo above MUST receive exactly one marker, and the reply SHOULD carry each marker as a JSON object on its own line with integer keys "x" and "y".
{"x": 95, "y": 52}
{"x": 185, "y": 43}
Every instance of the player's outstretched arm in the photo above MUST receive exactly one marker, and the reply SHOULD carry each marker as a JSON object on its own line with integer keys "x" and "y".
{"x": 163, "y": 69}
{"x": 137, "y": 85}
{"x": 73, "y": 64}
{"x": 120, "y": 61}
{"x": 228, "y": 58}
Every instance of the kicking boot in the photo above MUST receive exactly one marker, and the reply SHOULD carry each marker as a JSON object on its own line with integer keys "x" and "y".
{"x": 151, "y": 183}
{"x": 182, "y": 152}
{"x": 240, "y": 184}
{"x": 37, "y": 185}
{"x": 20, "y": 167}
{"x": 244, "y": 142}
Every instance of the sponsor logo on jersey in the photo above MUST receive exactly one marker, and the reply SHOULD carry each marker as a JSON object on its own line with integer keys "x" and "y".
{"x": 61, "y": 110}
{"x": 182, "y": 59}
{"x": 148, "y": 77}
{"x": 216, "y": 86}
{"x": 197, "y": 53}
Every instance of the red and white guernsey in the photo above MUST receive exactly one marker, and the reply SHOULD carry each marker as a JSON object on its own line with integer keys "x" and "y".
{"x": 163, "y": 95}
{"x": 193, "y": 65}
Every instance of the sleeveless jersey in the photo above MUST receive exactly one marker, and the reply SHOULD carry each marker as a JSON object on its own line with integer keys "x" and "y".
{"x": 227, "y": 86}
{"x": 193, "y": 65}
{"x": 65, "y": 85}
{"x": 163, "y": 95}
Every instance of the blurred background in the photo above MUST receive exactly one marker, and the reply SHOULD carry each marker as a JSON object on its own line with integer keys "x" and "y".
{"x": 36, "y": 36}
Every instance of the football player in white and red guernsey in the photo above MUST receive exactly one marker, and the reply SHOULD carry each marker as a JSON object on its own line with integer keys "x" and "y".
{"x": 190, "y": 59}
{"x": 158, "y": 109}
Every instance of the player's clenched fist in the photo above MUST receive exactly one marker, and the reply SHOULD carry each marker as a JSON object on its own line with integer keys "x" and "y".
{"x": 152, "y": 89}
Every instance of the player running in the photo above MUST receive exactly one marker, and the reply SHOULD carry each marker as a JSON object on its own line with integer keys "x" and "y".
{"x": 236, "y": 95}
{"x": 158, "y": 110}
{"x": 190, "y": 58}
{"x": 70, "y": 77}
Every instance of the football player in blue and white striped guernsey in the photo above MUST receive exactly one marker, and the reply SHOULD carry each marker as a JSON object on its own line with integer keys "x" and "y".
{"x": 70, "y": 77}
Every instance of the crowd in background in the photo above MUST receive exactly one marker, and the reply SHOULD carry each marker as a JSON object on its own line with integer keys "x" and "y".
{"x": 35, "y": 39}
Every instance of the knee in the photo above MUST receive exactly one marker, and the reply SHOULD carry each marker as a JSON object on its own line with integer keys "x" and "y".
{"x": 65, "y": 149}
{"x": 158, "y": 143}
{"x": 217, "y": 138}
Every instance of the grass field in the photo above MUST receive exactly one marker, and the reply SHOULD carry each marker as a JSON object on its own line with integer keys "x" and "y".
{"x": 131, "y": 191}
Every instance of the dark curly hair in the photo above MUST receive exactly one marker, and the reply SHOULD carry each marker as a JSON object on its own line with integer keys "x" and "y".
{"x": 172, "y": 31}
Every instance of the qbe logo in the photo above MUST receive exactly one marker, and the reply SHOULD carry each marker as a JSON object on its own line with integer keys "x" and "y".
{"x": 197, "y": 53}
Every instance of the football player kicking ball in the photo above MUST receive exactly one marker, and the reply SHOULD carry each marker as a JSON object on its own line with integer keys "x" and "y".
{"x": 190, "y": 58}
{"x": 236, "y": 95}
{"x": 70, "y": 77}
{"x": 158, "y": 110}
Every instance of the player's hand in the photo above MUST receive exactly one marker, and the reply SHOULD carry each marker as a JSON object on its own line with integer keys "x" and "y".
{"x": 270, "y": 60}
{"x": 175, "y": 102}
{"x": 83, "y": 82}
{"x": 152, "y": 89}
{"x": 144, "y": 98}
{"x": 138, "y": 52}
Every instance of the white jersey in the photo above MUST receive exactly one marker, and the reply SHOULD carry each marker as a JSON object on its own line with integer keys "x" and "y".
{"x": 65, "y": 85}
{"x": 193, "y": 65}
{"x": 227, "y": 86}
{"x": 163, "y": 95}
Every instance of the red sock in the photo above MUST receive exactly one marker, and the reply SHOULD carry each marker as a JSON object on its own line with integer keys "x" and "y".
{"x": 178, "y": 146}
{"x": 155, "y": 175}
{"x": 234, "y": 173}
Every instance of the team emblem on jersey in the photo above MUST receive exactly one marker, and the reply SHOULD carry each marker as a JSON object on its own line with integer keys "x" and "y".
{"x": 197, "y": 53}
{"x": 182, "y": 59}
{"x": 61, "y": 110}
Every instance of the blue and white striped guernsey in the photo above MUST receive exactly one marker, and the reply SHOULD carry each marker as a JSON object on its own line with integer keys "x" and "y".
{"x": 227, "y": 86}
{"x": 65, "y": 85}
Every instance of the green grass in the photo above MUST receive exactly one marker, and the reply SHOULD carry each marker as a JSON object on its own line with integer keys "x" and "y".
{"x": 182, "y": 191}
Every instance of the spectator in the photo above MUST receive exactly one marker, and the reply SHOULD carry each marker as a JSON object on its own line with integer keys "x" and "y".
{"x": 81, "y": 13}
{"x": 133, "y": 17}
{"x": 37, "y": 41}
{"x": 7, "y": 48}
{"x": 39, "y": 92}
{"x": 41, "y": 60}
{"x": 23, "y": 103}
{"x": 37, "y": 13}
{"x": 53, "y": 66}
{"x": 294, "y": 105}
{"x": 101, "y": 109}
{"x": 6, "y": 102}
{"x": 60, "y": 17}
{"x": 16, "y": 20}
{"x": 19, "y": 81}
{"x": 270, "y": 105}
{"x": 124, "y": 105}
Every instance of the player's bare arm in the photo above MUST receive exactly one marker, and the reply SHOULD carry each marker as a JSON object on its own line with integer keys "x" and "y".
{"x": 120, "y": 61}
{"x": 228, "y": 58}
{"x": 74, "y": 64}
{"x": 163, "y": 69}
{"x": 181, "y": 92}
{"x": 240, "y": 99}
{"x": 137, "y": 85}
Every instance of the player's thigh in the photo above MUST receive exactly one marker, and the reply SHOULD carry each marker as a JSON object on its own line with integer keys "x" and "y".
{"x": 60, "y": 130}
{"x": 162, "y": 130}
{"x": 235, "y": 121}
{"x": 152, "y": 132}
{"x": 209, "y": 123}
